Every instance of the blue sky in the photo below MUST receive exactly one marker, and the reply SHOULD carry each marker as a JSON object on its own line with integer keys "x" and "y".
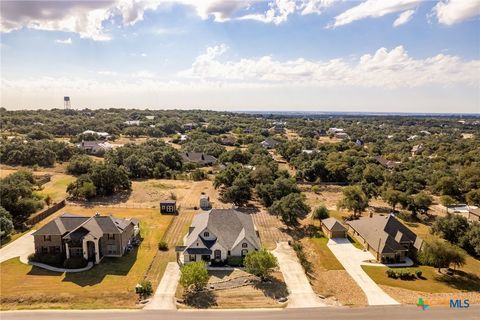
{"x": 316, "y": 55}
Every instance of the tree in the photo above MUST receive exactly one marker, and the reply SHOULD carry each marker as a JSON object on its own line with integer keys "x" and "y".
{"x": 290, "y": 208}
{"x": 439, "y": 254}
{"x": 260, "y": 263}
{"x": 82, "y": 188}
{"x": 6, "y": 224}
{"x": 79, "y": 164}
{"x": 470, "y": 241}
{"x": 354, "y": 199}
{"x": 473, "y": 197}
{"x": 198, "y": 175}
{"x": 321, "y": 213}
{"x": 108, "y": 179}
{"x": 48, "y": 200}
{"x": 419, "y": 203}
{"x": 239, "y": 193}
{"x": 394, "y": 197}
{"x": 194, "y": 276}
{"x": 451, "y": 227}
{"x": 447, "y": 200}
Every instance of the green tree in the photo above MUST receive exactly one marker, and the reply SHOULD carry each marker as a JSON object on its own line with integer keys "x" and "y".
{"x": 354, "y": 199}
{"x": 79, "y": 164}
{"x": 260, "y": 263}
{"x": 321, "y": 213}
{"x": 439, "y": 254}
{"x": 419, "y": 203}
{"x": 290, "y": 208}
{"x": 394, "y": 197}
{"x": 6, "y": 224}
{"x": 198, "y": 175}
{"x": 451, "y": 227}
{"x": 109, "y": 179}
{"x": 239, "y": 193}
{"x": 473, "y": 197}
{"x": 194, "y": 276}
{"x": 82, "y": 188}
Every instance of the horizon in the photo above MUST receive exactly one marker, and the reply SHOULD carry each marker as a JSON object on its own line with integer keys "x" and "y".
{"x": 407, "y": 56}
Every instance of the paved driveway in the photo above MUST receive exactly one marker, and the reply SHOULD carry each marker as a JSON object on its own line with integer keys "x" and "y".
{"x": 22, "y": 247}
{"x": 164, "y": 297}
{"x": 301, "y": 293}
{"x": 351, "y": 258}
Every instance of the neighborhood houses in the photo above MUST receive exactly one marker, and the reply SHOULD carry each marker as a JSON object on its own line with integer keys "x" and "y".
{"x": 92, "y": 238}
{"x": 220, "y": 234}
{"x": 199, "y": 158}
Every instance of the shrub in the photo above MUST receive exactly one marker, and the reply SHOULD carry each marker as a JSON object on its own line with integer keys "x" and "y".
{"x": 198, "y": 175}
{"x": 298, "y": 247}
{"x": 418, "y": 273}
{"x": 144, "y": 289}
{"x": 235, "y": 261}
{"x": 391, "y": 273}
{"x": 75, "y": 263}
{"x": 194, "y": 276}
{"x": 50, "y": 259}
{"x": 316, "y": 189}
{"x": 163, "y": 246}
{"x": 260, "y": 263}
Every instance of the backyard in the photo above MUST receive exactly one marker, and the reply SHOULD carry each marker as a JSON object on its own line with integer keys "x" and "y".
{"x": 108, "y": 285}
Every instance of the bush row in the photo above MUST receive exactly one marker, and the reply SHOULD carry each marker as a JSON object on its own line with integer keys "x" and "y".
{"x": 404, "y": 274}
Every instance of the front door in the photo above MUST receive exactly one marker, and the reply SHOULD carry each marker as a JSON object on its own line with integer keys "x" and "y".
{"x": 91, "y": 251}
{"x": 206, "y": 257}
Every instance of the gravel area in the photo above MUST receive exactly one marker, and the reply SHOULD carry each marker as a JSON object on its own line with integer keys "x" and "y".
{"x": 405, "y": 296}
{"x": 338, "y": 284}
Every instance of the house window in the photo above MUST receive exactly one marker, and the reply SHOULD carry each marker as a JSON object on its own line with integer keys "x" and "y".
{"x": 111, "y": 249}
{"x": 218, "y": 254}
{"x": 76, "y": 252}
{"x": 47, "y": 238}
{"x": 206, "y": 234}
{"x": 192, "y": 257}
{"x": 44, "y": 250}
{"x": 110, "y": 236}
{"x": 244, "y": 252}
{"x": 228, "y": 252}
{"x": 244, "y": 245}
{"x": 54, "y": 249}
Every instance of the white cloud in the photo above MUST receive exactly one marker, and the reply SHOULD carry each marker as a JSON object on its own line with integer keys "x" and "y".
{"x": 373, "y": 9}
{"x": 403, "y": 18}
{"x": 383, "y": 69}
{"x": 450, "y": 12}
{"x": 64, "y": 41}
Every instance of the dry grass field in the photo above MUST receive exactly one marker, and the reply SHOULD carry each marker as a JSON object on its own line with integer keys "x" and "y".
{"x": 261, "y": 295}
{"x": 108, "y": 285}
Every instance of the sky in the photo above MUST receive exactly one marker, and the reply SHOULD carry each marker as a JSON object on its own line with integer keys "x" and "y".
{"x": 278, "y": 55}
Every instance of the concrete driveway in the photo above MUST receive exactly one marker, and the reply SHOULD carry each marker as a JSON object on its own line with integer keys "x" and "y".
{"x": 164, "y": 297}
{"x": 301, "y": 293}
{"x": 22, "y": 247}
{"x": 351, "y": 258}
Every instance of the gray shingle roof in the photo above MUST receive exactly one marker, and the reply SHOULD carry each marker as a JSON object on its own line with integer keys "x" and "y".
{"x": 384, "y": 233}
{"x": 198, "y": 157}
{"x": 228, "y": 225}
{"x": 333, "y": 224}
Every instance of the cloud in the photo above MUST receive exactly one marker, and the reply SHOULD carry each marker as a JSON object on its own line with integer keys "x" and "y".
{"x": 450, "y": 12}
{"x": 383, "y": 69}
{"x": 403, "y": 18}
{"x": 64, "y": 41}
{"x": 373, "y": 9}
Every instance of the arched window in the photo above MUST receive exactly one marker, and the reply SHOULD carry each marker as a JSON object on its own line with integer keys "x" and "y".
{"x": 206, "y": 234}
{"x": 244, "y": 245}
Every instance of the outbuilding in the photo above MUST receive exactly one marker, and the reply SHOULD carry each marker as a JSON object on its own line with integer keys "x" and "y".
{"x": 333, "y": 228}
{"x": 168, "y": 206}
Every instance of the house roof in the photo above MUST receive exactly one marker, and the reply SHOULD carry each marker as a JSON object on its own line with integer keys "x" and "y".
{"x": 228, "y": 225}
{"x": 385, "y": 233}
{"x": 72, "y": 226}
{"x": 168, "y": 201}
{"x": 333, "y": 224}
{"x": 475, "y": 212}
{"x": 198, "y": 251}
{"x": 198, "y": 157}
{"x": 270, "y": 142}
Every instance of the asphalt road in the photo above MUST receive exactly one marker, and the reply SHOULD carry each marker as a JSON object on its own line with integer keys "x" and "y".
{"x": 370, "y": 313}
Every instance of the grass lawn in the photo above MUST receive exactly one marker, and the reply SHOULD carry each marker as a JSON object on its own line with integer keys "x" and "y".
{"x": 355, "y": 242}
{"x": 433, "y": 281}
{"x": 57, "y": 187}
{"x": 326, "y": 257}
{"x": 108, "y": 285}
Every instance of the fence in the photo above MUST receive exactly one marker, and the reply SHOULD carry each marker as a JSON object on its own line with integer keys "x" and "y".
{"x": 112, "y": 205}
{"x": 43, "y": 178}
{"x": 45, "y": 213}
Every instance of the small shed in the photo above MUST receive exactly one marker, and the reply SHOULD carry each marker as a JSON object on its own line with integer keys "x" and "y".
{"x": 205, "y": 202}
{"x": 168, "y": 206}
{"x": 333, "y": 228}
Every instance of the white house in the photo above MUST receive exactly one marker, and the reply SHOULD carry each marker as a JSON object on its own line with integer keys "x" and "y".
{"x": 218, "y": 234}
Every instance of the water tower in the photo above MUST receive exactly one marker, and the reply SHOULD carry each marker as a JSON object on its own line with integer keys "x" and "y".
{"x": 66, "y": 103}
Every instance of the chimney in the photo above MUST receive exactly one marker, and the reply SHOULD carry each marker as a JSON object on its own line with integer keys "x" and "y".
{"x": 371, "y": 214}
{"x": 97, "y": 214}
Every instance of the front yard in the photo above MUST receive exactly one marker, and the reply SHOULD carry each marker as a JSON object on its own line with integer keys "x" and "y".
{"x": 255, "y": 295}
{"x": 108, "y": 285}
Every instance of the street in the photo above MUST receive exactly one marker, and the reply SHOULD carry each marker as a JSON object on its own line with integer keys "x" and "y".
{"x": 370, "y": 313}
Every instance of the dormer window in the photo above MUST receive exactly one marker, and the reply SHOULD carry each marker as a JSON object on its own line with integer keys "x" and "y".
{"x": 206, "y": 234}
{"x": 244, "y": 245}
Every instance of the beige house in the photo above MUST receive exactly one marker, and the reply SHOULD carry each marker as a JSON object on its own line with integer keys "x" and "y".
{"x": 333, "y": 228}
{"x": 386, "y": 237}
{"x": 91, "y": 237}
{"x": 219, "y": 234}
